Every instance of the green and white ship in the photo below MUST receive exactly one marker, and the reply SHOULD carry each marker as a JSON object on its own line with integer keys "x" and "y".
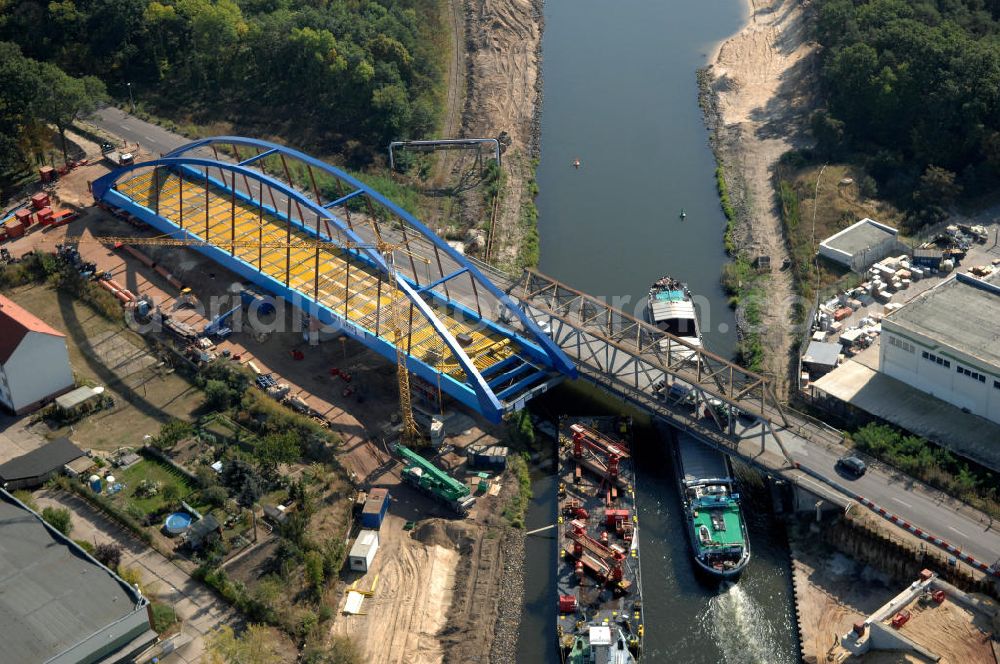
{"x": 715, "y": 525}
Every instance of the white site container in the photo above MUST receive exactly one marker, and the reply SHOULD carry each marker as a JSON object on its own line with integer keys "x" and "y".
{"x": 363, "y": 552}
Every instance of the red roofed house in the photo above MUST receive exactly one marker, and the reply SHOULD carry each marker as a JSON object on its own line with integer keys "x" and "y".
{"x": 34, "y": 362}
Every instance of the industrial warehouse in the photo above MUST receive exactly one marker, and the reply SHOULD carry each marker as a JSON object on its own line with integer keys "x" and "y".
{"x": 944, "y": 342}
{"x": 57, "y": 604}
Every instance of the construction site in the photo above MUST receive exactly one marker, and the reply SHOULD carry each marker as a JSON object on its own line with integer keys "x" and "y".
{"x": 359, "y": 321}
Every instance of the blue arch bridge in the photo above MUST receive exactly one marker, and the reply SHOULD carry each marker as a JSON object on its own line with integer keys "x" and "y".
{"x": 306, "y": 231}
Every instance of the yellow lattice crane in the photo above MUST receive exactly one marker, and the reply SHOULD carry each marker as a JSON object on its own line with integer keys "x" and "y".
{"x": 398, "y": 317}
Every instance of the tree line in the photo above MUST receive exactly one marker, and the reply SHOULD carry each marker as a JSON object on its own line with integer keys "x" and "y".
{"x": 914, "y": 87}
{"x": 348, "y": 74}
{"x": 34, "y": 95}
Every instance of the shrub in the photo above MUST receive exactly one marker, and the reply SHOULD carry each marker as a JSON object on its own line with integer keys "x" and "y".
{"x": 109, "y": 555}
{"x": 218, "y": 395}
{"x": 314, "y": 571}
{"x": 172, "y": 433}
{"x": 215, "y": 496}
{"x": 59, "y": 518}
{"x": 26, "y": 498}
{"x": 164, "y": 617}
{"x": 85, "y": 545}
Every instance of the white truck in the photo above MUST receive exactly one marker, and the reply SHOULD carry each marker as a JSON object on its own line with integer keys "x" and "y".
{"x": 115, "y": 156}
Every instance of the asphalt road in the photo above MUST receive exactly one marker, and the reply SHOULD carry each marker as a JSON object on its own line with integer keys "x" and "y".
{"x": 925, "y": 508}
{"x": 152, "y": 140}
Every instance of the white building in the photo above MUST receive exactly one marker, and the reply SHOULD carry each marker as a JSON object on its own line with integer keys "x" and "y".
{"x": 861, "y": 245}
{"x": 946, "y": 342}
{"x": 34, "y": 361}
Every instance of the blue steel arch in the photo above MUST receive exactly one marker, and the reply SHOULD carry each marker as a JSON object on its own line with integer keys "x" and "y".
{"x": 557, "y": 357}
{"x": 489, "y": 404}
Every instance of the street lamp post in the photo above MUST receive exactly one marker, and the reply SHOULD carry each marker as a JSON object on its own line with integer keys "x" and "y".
{"x": 130, "y": 98}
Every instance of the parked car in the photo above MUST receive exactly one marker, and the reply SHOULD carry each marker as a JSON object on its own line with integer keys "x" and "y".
{"x": 851, "y": 465}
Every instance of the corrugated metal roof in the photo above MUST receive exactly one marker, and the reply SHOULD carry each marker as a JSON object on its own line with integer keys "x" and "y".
{"x": 822, "y": 353}
{"x": 51, "y": 594}
{"x": 76, "y": 397}
{"x": 15, "y": 323}
{"x": 662, "y": 310}
{"x": 45, "y": 459}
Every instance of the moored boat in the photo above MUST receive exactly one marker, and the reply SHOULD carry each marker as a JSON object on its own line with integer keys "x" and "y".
{"x": 670, "y": 308}
{"x": 599, "y": 591}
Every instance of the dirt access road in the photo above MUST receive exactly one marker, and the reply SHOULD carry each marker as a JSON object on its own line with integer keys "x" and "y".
{"x": 761, "y": 78}
{"x": 503, "y": 38}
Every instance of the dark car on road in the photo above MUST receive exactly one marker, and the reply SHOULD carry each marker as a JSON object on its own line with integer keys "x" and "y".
{"x": 851, "y": 465}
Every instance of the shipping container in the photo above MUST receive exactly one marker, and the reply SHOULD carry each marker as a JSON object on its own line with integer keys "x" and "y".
{"x": 63, "y": 217}
{"x": 44, "y": 216}
{"x": 15, "y": 229}
{"x": 46, "y": 174}
{"x": 40, "y": 200}
{"x": 24, "y": 216}
{"x": 363, "y": 552}
{"x": 375, "y": 507}
{"x": 488, "y": 456}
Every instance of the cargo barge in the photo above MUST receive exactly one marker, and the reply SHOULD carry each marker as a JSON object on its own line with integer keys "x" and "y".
{"x": 597, "y": 575}
{"x": 714, "y": 519}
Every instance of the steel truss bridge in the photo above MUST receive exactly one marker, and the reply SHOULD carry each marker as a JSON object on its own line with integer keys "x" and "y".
{"x": 305, "y": 231}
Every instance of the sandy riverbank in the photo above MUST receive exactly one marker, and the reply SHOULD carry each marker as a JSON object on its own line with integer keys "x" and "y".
{"x": 503, "y": 39}
{"x": 759, "y": 85}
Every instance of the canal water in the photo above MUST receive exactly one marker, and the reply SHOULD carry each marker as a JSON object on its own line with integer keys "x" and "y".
{"x": 620, "y": 95}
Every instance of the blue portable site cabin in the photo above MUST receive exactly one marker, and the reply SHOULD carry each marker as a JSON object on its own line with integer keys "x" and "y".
{"x": 375, "y": 508}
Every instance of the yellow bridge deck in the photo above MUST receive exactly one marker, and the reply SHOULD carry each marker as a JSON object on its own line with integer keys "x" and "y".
{"x": 352, "y": 293}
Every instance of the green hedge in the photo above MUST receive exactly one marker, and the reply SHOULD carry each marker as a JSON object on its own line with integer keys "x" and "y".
{"x": 934, "y": 465}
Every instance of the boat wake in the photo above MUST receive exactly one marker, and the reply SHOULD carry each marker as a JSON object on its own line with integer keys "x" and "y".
{"x": 741, "y": 629}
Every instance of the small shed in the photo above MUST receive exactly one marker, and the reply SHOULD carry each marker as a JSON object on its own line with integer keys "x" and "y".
{"x": 862, "y": 244}
{"x": 821, "y": 357}
{"x": 79, "y": 467}
{"x": 36, "y": 467}
{"x": 363, "y": 552}
{"x": 202, "y": 529}
{"x": 275, "y": 513}
{"x": 374, "y": 509}
{"x": 76, "y": 399}
{"x": 493, "y": 457}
